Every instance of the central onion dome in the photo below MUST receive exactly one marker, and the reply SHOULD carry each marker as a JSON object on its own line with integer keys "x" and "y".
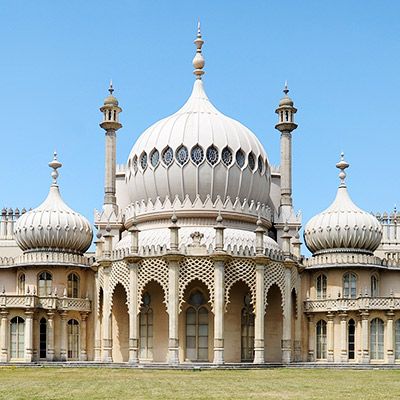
{"x": 343, "y": 227}
{"x": 198, "y": 152}
{"x": 53, "y": 226}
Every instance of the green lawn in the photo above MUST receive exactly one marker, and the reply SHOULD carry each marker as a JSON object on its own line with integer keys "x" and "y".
{"x": 96, "y": 383}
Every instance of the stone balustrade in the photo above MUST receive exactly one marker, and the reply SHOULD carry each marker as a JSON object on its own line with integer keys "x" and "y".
{"x": 47, "y": 258}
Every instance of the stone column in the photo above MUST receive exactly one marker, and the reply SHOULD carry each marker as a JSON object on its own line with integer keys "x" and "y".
{"x": 50, "y": 336}
{"x": 107, "y": 328}
{"x": 28, "y": 335}
{"x": 359, "y": 339}
{"x": 311, "y": 338}
{"x": 133, "y": 313}
{"x": 259, "y": 351}
{"x": 365, "y": 337}
{"x": 83, "y": 333}
{"x": 96, "y": 317}
{"x": 4, "y": 333}
{"x": 287, "y": 319}
{"x": 219, "y": 300}
{"x": 389, "y": 337}
{"x": 330, "y": 338}
{"x": 343, "y": 336}
{"x": 63, "y": 336}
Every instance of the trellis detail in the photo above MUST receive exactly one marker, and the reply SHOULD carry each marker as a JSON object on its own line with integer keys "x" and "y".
{"x": 119, "y": 274}
{"x": 275, "y": 275}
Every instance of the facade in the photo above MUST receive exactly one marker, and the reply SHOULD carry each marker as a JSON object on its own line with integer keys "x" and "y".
{"x": 198, "y": 257}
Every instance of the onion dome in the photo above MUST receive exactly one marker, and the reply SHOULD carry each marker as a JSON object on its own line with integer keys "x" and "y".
{"x": 286, "y": 100}
{"x": 343, "y": 227}
{"x": 53, "y": 226}
{"x": 198, "y": 152}
{"x": 110, "y": 100}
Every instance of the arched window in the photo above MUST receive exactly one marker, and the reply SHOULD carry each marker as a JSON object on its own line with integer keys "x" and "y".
{"x": 351, "y": 340}
{"x": 350, "y": 285}
{"x": 21, "y": 283}
{"x": 197, "y": 328}
{"x": 397, "y": 340}
{"x": 17, "y": 338}
{"x": 44, "y": 283}
{"x": 43, "y": 338}
{"x": 247, "y": 330}
{"x": 374, "y": 286}
{"x": 321, "y": 286}
{"x": 321, "y": 340}
{"x": 73, "y": 285}
{"x": 376, "y": 339}
{"x": 73, "y": 339}
{"x": 146, "y": 328}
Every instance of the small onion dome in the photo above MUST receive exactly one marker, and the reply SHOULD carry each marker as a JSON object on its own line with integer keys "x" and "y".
{"x": 110, "y": 100}
{"x": 53, "y": 226}
{"x": 343, "y": 227}
{"x": 286, "y": 100}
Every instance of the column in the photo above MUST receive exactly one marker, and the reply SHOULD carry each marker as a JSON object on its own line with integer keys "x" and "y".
{"x": 287, "y": 321}
{"x": 343, "y": 336}
{"x": 311, "y": 338}
{"x": 259, "y": 356}
{"x": 110, "y": 167}
{"x": 28, "y": 335}
{"x": 330, "y": 337}
{"x": 219, "y": 299}
{"x": 63, "y": 336}
{"x": 83, "y": 352}
{"x": 4, "y": 333}
{"x": 50, "y": 336}
{"x": 365, "y": 337}
{"x": 298, "y": 334}
{"x": 286, "y": 168}
{"x": 133, "y": 314}
{"x": 359, "y": 339}
{"x": 96, "y": 319}
{"x": 107, "y": 329}
{"x": 389, "y": 337}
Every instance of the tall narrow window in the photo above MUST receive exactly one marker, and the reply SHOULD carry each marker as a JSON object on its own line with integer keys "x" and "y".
{"x": 376, "y": 339}
{"x": 17, "y": 338}
{"x": 197, "y": 328}
{"x": 397, "y": 340}
{"x": 374, "y": 286}
{"x": 44, "y": 283}
{"x": 21, "y": 283}
{"x": 247, "y": 330}
{"x": 73, "y": 285}
{"x": 73, "y": 339}
{"x": 321, "y": 286}
{"x": 321, "y": 340}
{"x": 351, "y": 339}
{"x": 146, "y": 328}
{"x": 350, "y": 285}
{"x": 43, "y": 338}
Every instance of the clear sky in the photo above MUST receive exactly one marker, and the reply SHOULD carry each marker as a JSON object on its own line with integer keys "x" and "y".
{"x": 341, "y": 59}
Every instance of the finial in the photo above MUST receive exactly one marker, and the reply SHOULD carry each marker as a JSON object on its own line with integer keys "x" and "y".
{"x": 198, "y": 60}
{"x": 219, "y": 218}
{"x": 342, "y": 165}
{"x": 55, "y": 164}
{"x": 285, "y": 89}
{"x": 111, "y": 89}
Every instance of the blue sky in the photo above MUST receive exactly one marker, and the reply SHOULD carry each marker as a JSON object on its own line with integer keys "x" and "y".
{"x": 341, "y": 59}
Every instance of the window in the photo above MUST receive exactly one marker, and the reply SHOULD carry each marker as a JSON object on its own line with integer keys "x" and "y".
{"x": 17, "y": 339}
{"x": 197, "y": 328}
{"x": 252, "y": 161}
{"x": 212, "y": 155}
{"x": 146, "y": 328}
{"x": 351, "y": 339}
{"x": 247, "y": 330}
{"x": 21, "y": 284}
{"x": 321, "y": 340}
{"x": 397, "y": 340}
{"x": 376, "y": 339}
{"x": 321, "y": 286}
{"x": 168, "y": 156}
{"x": 350, "y": 285}
{"x": 135, "y": 164}
{"x": 240, "y": 158}
{"x": 43, "y": 338}
{"x": 73, "y": 339}
{"x": 44, "y": 283}
{"x": 182, "y": 155}
{"x": 260, "y": 165}
{"x": 227, "y": 156}
{"x": 154, "y": 158}
{"x": 73, "y": 285}
{"x": 197, "y": 154}
{"x": 374, "y": 286}
{"x": 143, "y": 161}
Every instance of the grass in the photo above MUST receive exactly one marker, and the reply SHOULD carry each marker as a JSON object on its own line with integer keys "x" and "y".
{"x": 104, "y": 383}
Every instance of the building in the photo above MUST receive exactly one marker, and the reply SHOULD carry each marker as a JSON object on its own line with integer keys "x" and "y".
{"x": 198, "y": 257}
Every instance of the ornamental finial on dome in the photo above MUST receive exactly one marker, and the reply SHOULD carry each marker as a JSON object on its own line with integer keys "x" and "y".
{"x": 111, "y": 89}
{"x": 55, "y": 164}
{"x": 286, "y": 89}
{"x": 198, "y": 60}
{"x": 342, "y": 165}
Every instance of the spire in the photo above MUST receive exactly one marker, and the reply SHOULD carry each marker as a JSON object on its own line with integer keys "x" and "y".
{"x": 286, "y": 89}
{"x": 198, "y": 60}
{"x": 342, "y": 165}
{"x": 111, "y": 89}
{"x": 55, "y": 164}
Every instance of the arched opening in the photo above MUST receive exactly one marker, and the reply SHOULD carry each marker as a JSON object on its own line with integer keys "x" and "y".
{"x": 350, "y": 285}
{"x": 17, "y": 338}
{"x": 73, "y": 285}
{"x": 73, "y": 339}
{"x": 44, "y": 283}
{"x": 377, "y": 335}
{"x": 351, "y": 339}
{"x": 247, "y": 329}
{"x": 374, "y": 286}
{"x": 273, "y": 325}
{"x": 295, "y": 341}
{"x": 146, "y": 328}
{"x": 120, "y": 325}
{"x": 43, "y": 338}
{"x": 321, "y": 353}
{"x": 321, "y": 285}
{"x": 21, "y": 283}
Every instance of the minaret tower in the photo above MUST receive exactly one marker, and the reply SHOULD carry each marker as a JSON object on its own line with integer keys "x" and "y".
{"x": 110, "y": 124}
{"x": 286, "y": 126}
